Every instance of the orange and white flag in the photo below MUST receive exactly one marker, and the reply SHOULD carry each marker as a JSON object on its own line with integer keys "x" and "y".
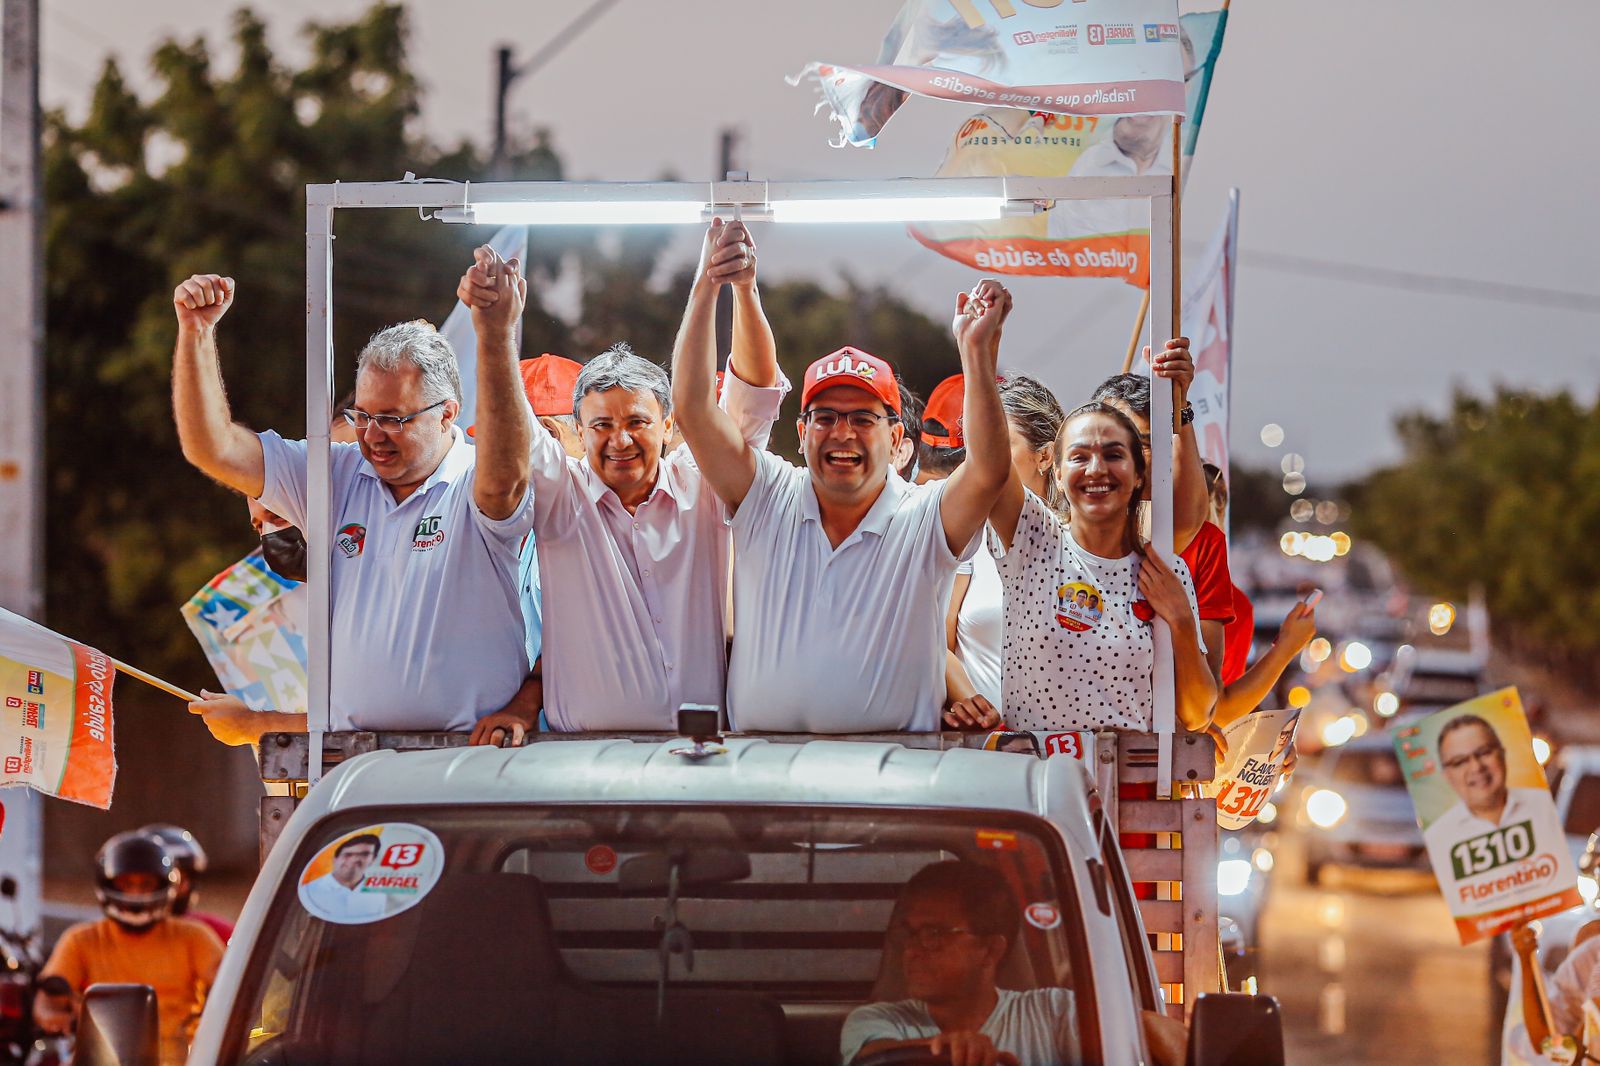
{"x": 55, "y": 726}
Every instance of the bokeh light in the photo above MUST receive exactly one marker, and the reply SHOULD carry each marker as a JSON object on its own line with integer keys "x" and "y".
{"x": 1441, "y": 616}
{"x": 1272, "y": 434}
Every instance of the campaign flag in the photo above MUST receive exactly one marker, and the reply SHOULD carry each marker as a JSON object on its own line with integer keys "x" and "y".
{"x": 1100, "y": 57}
{"x": 55, "y": 730}
{"x": 1258, "y": 746}
{"x": 1208, "y": 323}
{"x": 251, "y": 624}
{"x": 512, "y": 243}
{"x": 1075, "y": 238}
{"x": 1493, "y": 835}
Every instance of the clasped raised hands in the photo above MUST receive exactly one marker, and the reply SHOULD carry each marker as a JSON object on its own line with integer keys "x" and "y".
{"x": 980, "y": 314}
{"x": 201, "y": 301}
{"x": 727, "y": 256}
{"x": 494, "y": 289}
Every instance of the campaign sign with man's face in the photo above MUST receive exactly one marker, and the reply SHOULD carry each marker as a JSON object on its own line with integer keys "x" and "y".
{"x": 371, "y": 873}
{"x": 1486, "y": 813}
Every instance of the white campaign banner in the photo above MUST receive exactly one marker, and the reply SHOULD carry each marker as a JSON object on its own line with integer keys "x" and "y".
{"x": 1258, "y": 746}
{"x": 1089, "y": 57}
{"x": 1208, "y": 323}
{"x": 512, "y": 243}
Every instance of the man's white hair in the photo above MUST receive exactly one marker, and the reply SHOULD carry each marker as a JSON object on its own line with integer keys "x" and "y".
{"x": 416, "y": 344}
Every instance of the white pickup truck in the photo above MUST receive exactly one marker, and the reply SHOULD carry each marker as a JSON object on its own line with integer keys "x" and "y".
{"x": 606, "y": 901}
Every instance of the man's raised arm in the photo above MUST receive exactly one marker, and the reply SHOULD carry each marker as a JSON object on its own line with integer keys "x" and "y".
{"x": 975, "y": 486}
{"x": 754, "y": 357}
{"x": 497, "y": 292}
{"x": 211, "y": 440}
{"x": 726, "y": 459}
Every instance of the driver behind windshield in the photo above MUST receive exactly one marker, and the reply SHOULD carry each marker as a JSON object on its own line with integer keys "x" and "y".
{"x": 956, "y": 921}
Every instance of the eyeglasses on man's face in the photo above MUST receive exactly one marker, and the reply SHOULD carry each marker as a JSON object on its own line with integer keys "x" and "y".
{"x": 388, "y": 423}
{"x": 824, "y": 419}
{"x": 928, "y": 937}
{"x": 1487, "y": 753}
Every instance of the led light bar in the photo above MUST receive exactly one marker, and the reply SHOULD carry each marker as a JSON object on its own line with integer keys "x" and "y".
{"x": 578, "y": 212}
{"x": 896, "y": 209}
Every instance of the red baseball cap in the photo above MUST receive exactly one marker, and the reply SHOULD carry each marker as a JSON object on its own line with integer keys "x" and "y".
{"x": 548, "y": 382}
{"x": 852, "y": 366}
{"x": 945, "y": 405}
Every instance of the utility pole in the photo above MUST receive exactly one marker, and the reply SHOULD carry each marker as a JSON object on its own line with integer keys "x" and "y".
{"x": 21, "y": 395}
{"x": 727, "y": 140}
{"x": 507, "y": 71}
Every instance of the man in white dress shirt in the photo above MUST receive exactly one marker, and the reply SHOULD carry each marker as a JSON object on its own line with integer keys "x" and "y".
{"x": 1474, "y": 762}
{"x": 336, "y": 896}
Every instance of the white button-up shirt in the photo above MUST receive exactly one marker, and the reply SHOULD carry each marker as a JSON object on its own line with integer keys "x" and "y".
{"x": 838, "y": 640}
{"x": 1458, "y": 823}
{"x": 633, "y": 603}
{"x": 427, "y": 631}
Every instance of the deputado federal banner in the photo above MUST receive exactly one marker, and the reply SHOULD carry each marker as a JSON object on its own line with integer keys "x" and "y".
{"x": 1075, "y": 238}
{"x": 1258, "y": 746}
{"x": 1208, "y": 323}
{"x": 55, "y": 729}
{"x": 1497, "y": 846}
{"x": 1089, "y": 57}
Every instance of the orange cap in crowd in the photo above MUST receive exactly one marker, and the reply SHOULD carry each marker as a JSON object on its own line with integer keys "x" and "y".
{"x": 941, "y": 418}
{"x": 852, "y": 366}
{"x": 548, "y": 382}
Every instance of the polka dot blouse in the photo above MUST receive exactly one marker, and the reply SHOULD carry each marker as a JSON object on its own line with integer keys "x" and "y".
{"x": 1074, "y": 654}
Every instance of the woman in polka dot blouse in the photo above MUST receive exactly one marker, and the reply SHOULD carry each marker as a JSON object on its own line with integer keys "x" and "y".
{"x": 1081, "y": 592}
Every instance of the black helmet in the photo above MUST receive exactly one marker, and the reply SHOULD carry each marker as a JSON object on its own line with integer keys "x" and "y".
{"x": 186, "y": 853}
{"x": 125, "y": 857}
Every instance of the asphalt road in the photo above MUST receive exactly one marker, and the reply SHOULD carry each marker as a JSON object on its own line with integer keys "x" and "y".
{"x": 1368, "y": 970}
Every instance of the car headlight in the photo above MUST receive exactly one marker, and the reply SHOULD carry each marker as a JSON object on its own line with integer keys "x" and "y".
{"x": 1588, "y": 888}
{"x": 1326, "y": 808}
{"x": 1233, "y": 876}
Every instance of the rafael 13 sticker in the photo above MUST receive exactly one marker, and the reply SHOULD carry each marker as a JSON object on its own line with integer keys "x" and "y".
{"x": 1077, "y": 606}
{"x": 428, "y": 534}
{"x": 370, "y": 873}
{"x": 351, "y": 539}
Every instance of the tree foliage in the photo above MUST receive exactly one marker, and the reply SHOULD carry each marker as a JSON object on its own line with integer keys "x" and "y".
{"x": 1501, "y": 493}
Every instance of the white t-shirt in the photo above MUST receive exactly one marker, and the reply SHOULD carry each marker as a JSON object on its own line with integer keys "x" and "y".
{"x": 1039, "y": 1027}
{"x": 1576, "y": 981}
{"x": 333, "y": 902}
{"x": 838, "y": 640}
{"x": 427, "y": 627}
{"x": 980, "y": 626}
{"x": 1076, "y": 657}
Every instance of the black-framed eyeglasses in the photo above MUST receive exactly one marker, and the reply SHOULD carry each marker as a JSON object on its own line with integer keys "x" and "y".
{"x": 388, "y": 423}
{"x": 928, "y": 937}
{"x": 1484, "y": 754}
{"x": 862, "y": 421}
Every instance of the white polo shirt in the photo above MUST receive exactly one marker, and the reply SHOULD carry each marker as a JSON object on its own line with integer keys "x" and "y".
{"x": 633, "y": 603}
{"x": 838, "y": 640}
{"x": 427, "y": 630}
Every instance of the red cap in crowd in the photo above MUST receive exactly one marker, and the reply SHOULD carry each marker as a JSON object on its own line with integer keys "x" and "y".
{"x": 548, "y": 382}
{"x": 943, "y": 412}
{"x": 852, "y": 366}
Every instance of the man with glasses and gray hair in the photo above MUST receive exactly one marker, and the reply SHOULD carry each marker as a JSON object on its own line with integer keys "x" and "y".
{"x": 633, "y": 544}
{"x": 1473, "y": 758}
{"x": 426, "y": 627}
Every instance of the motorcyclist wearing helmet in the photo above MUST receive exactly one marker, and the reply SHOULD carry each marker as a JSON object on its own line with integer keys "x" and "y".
{"x": 191, "y": 861}
{"x": 139, "y": 941}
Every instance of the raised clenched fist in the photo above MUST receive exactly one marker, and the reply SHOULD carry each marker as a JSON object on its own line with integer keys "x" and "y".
{"x": 201, "y": 301}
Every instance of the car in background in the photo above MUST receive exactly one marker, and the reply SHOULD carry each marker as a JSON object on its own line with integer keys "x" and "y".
{"x": 1431, "y": 679}
{"x": 1358, "y": 812}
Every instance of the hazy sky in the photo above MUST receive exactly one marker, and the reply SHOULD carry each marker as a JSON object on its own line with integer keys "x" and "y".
{"x": 1440, "y": 138}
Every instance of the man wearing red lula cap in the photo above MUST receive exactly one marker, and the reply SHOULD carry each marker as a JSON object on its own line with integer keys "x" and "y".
{"x": 842, "y": 571}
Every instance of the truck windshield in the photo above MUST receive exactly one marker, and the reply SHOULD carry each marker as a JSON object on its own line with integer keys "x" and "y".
{"x": 622, "y": 933}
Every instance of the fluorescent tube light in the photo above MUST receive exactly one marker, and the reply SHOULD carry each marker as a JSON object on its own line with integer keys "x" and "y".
{"x": 897, "y": 209}
{"x": 579, "y": 212}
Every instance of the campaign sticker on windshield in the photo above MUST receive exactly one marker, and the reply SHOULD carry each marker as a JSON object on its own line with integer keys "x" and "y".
{"x": 1042, "y": 915}
{"x": 1075, "y": 745}
{"x": 371, "y": 873}
{"x": 1493, "y": 835}
{"x": 1258, "y": 746}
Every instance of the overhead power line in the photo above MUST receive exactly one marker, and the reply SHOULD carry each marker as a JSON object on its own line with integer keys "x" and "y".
{"x": 1416, "y": 281}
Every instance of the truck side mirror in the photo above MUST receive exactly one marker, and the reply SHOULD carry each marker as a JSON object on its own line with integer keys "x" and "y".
{"x": 1231, "y": 1029}
{"x": 118, "y": 1026}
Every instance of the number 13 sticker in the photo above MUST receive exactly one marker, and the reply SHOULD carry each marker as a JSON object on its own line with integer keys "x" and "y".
{"x": 368, "y": 874}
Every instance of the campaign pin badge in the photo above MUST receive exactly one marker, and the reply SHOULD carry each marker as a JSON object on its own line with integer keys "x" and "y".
{"x": 1042, "y": 915}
